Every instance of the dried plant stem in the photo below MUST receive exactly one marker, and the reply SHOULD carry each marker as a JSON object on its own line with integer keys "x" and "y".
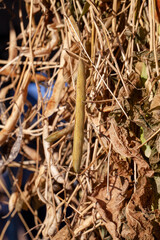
{"x": 114, "y": 18}
{"x": 56, "y": 95}
{"x": 6, "y": 225}
{"x": 85, "y": 223}
{"x": 17, "y": 109}
{"x": 25, "y": 225}
{"x": 81, "y": 58}
{"x": 101, "y": 77}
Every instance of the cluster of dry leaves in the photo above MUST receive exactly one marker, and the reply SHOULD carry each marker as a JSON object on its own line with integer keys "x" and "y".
{"x": 115, "y": 195}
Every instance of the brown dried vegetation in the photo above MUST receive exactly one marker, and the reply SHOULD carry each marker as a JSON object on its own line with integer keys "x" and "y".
{"x": 91, "y": 144}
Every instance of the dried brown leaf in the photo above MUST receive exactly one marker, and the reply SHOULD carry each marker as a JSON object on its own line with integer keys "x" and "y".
{"x": 139, "y": 221}
{"x": 110, "y": 209}
{"x": 119, "y": 139}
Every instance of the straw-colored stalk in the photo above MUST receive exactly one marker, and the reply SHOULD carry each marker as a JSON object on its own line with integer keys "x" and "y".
{"x": 16, "y": 111}
{"x": 79, "y": 117}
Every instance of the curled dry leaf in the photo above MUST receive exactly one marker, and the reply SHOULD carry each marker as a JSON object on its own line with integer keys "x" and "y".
{"x": 140, "y": 223}
{"x": 63, "y": 33}
{"x": 119, "y": 139}
{"x": 131, "y": 86}
{"x": 111, "y": 210}
{"x": 121, "y": 165}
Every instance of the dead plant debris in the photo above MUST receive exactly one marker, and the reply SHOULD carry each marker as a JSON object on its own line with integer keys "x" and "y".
{"x": 79, "y": 112}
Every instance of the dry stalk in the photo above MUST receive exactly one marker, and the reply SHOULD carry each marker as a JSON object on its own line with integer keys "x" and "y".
{"x": 17, "y": 109}
{"x": 107, "y": 41}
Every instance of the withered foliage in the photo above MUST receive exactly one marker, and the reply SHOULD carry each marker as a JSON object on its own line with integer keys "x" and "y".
{"x": 87, "y": 152}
